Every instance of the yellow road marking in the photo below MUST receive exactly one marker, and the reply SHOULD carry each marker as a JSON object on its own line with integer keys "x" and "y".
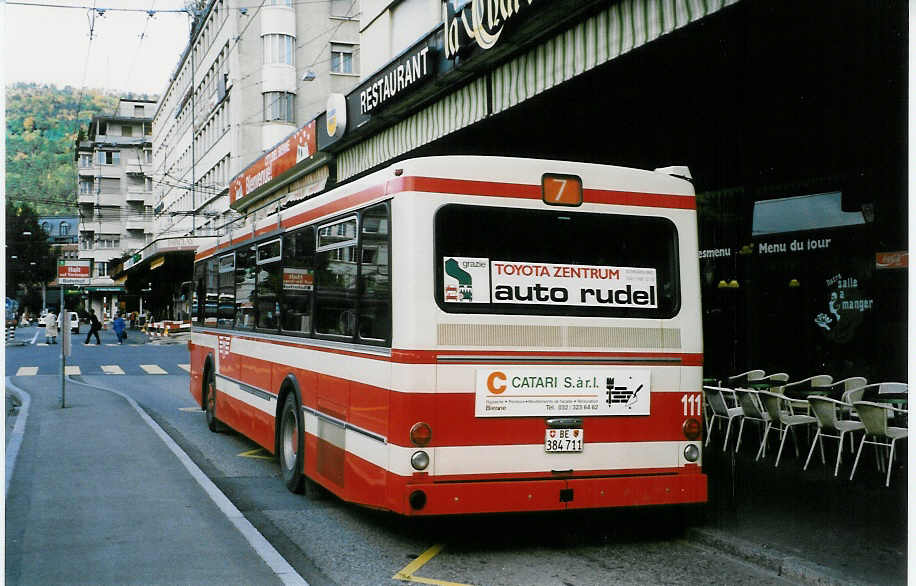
{"x": 72, "y": 370}
{"x": 152, "y": 369}
{"x": 257, "y": 454}
{"x": 406, "y": 573}
{"x": 27, "y": 371}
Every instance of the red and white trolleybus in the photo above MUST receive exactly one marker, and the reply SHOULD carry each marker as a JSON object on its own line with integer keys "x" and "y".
{"x": 465, "y": 334}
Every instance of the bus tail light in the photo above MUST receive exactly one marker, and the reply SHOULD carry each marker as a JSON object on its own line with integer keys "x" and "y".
{"x": 692, "y": 429}
{"x": 421, "y": 434}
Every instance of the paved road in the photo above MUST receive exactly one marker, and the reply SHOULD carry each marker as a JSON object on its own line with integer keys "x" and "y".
{"x": 330, "y": 542}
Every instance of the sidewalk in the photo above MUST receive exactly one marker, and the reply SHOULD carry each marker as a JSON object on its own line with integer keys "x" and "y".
{"x": 808, "y": 525}
{"x": 98, "y": 497}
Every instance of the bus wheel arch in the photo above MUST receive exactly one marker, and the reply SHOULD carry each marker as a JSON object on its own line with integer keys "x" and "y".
{"x": 289, "y": 436}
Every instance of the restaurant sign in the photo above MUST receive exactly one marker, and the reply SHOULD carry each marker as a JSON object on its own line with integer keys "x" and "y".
{"x": 417, "y": 65}
{"x": 283, "y": 157}
{"x": 479, "y": 23}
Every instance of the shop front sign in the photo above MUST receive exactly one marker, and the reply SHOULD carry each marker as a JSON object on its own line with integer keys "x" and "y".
{"x": 479, "y": 23}
{"x": 399, "y": 78}
{"x": 283, "y": 157}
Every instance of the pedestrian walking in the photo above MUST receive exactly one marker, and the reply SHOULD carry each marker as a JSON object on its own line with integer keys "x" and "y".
{"x": 50, "y": 328}
{"x": 94, "y": 327}
{"x": 118, "y": 327}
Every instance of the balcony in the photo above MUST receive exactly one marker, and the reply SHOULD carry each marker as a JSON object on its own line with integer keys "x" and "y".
{"x": 139, "y": 195}
{"x": 138, "y": 223}
{"x": 104, "y": 226}
{"x": 136, "y": 166}
{"x": 102, "y": 199}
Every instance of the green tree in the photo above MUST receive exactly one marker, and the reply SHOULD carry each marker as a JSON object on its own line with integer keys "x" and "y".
{"x": 29, "y": 259}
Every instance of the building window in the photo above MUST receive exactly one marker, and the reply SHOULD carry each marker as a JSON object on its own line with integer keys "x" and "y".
{"x": 85, "y": 160}
{"x": 279, "y": 2}
{"x": 46, "y": 227}
{"x": 109, "y": 157}
{"x": 279, "y": 106}
{"x": 103, "y": 128}
{"x": 85, "y": 186}
{"x": 342, "y": 58}
{"x": 127, "y": 131}
{"x": 64, "y": 228}
{"x": 101, "y": 269}
{"x": 279, "y": 49}
{"x": 138, "y": 111}
{"x": 148, "y": 128}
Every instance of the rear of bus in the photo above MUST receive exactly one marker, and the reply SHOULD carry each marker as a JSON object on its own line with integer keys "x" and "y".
{"x": 547, "y": 346}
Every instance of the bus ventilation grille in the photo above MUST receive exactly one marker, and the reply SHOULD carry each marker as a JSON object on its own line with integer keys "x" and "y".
{"x": 484, "y": 335}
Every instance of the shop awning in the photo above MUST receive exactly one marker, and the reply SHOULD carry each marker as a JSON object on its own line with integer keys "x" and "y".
{"x": 595, "y": 40}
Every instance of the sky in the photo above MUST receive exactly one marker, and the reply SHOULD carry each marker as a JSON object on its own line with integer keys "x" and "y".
{"x": 52, "y": 45}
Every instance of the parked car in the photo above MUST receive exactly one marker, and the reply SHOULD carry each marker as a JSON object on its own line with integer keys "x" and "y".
{"x": 74, "y": 323}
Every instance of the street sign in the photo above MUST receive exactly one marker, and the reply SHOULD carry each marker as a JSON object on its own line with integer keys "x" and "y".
{"x": 73, "y": 272}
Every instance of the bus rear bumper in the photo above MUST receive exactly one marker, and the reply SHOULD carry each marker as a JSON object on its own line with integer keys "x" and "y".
{"x": 454, "y": 498}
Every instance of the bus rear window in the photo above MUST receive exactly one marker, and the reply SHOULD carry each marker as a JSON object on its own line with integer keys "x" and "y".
{"x": 555, "y": 262}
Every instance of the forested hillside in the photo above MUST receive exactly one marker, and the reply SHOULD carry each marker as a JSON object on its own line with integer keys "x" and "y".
{"x": 41, "y": 128}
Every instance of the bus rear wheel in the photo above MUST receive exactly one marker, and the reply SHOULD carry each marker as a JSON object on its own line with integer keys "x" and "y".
{"x": 213, "y": 423}
{"x": 290, "y": 449}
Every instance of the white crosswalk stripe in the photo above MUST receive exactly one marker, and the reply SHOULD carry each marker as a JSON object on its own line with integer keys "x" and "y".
{"x": 152, "y": 369}
{"x": 75, "y": 370}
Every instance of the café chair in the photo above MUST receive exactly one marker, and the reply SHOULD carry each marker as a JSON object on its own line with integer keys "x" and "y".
{"x": 875, "y": 417}
{"x": 799, "y": 390}
{"x": 819, "y": 383}
{"x": 749, "y": 376}
{"x": 783, "y": 418}
{"x": 752, "y": 410}
{"x": 840, "y": 388}
{"x": 827, "y": 411}
{"x": 715, "y": 396}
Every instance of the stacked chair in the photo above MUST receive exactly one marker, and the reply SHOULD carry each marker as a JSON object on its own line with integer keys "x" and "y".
{"x": 837, "y": 409}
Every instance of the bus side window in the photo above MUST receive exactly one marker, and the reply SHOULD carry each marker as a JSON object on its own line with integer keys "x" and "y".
{"x": 212, "y": 292}
{"x": 298, "y": 280}
{"x": 269, "y": 287}
{"x": 335, "y": 278}
{"x": 375, "y": 275}
{"x": 244, "y": 288}
{"x": 225, "y": 311}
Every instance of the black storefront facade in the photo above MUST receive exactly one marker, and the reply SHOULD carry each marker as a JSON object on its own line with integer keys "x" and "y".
{"x": 791, "y": 117}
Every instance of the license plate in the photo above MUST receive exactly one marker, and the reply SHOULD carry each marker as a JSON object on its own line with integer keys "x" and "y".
{"x": 563, "y": 440}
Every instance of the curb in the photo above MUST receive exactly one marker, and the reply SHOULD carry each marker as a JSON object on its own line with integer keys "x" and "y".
{"x": 12, "y": 448}
{"x": 785, "y": 565}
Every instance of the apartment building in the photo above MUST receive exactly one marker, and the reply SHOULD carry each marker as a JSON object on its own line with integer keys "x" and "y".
{"x": 114, "y": 195}
{"x": 248, "y": 79}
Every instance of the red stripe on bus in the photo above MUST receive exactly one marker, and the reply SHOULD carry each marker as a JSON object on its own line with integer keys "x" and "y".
{"x": 367, "y": 484}
{"x": 525, "y": 191}
{"x": 465, "y": 187}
